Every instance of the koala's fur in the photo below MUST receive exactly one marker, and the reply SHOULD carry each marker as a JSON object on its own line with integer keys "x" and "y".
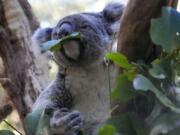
{"x": 82, "y": 82}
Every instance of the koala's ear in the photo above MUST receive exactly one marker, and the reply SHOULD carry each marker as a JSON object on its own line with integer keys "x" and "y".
{"x": 113, "y": 11}
{"x": 42, "y": 35}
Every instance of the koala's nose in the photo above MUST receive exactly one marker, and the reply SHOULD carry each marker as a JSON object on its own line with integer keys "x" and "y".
{"x": 65, "y": 29}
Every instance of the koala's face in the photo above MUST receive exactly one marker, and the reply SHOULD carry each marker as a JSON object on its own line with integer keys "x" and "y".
{"x": 96, "y": 37}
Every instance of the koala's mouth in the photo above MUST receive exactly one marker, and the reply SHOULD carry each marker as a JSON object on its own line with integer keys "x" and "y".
{"x": 72, "y": 50}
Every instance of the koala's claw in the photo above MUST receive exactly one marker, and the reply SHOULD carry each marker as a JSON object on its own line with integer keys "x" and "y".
{"x": 60, "y": 113}
{"x": 64, "y": 121}
{"x": 75, "y": 123}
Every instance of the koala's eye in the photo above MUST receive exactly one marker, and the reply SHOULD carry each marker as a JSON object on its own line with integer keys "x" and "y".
{"x": 55, "y": 35}
{"x": 86, "y": 27}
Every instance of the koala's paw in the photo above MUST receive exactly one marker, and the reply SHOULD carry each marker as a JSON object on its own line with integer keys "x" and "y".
{"x": 64, "y": 121}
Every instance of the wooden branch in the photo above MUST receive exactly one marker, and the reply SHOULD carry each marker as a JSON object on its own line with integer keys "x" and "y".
{"x": 34, "y": 24}
{"x": 134, "y": 39}
{"x": 23, "y": 84}
{"x": 173, "y": 3}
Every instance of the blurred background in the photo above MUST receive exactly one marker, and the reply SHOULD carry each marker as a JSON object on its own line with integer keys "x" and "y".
{"x": 50, "y": 11}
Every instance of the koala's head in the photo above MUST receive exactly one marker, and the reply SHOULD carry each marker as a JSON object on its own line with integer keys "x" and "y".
{"x": 97, "y": 31}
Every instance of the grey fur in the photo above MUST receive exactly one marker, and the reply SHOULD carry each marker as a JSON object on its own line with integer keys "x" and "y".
{"x": 82, "y": 82}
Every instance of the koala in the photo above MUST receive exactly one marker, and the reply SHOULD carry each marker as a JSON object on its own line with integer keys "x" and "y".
{"x": 79, "y": 95}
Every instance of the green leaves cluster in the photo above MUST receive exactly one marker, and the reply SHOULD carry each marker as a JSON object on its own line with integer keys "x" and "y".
{"x": 161, "y": 78}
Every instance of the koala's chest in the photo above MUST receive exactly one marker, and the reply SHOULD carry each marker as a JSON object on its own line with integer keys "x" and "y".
{"x": 90, "y": 91}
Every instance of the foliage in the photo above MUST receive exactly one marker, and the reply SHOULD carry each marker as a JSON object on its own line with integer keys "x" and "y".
{"x": 162, "y": 32}
{"x": 6, "y": 132}
{"x": 55, "y": 45}
{"x": 37, "y": 122}
{"x": 159, "y": 78}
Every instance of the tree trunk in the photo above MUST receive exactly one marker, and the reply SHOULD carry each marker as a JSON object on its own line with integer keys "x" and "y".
{"x": 23, "y": 79}
{"x": 134, "y": 40}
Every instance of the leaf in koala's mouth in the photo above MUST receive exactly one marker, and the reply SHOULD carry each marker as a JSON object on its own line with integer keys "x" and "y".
{"x": 55, "y": 45}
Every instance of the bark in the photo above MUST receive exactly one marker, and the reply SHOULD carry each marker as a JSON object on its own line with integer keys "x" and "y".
{"x": 29, "y": 14}
{"x": 5, "y": 111}
{"x": 23, "y": 79}
{"x": 173, "y": 3}
{"x": 134, "y": 39}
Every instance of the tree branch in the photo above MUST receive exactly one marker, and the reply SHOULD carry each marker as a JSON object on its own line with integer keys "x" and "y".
{"x": 23, "y": 84}
{"x": 34, "y": 24}
{"x": 173, "y": 3}
{"x": 133, "y": 39}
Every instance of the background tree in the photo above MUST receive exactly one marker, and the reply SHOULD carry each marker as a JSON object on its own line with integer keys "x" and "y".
{"x": 23, "y": 79}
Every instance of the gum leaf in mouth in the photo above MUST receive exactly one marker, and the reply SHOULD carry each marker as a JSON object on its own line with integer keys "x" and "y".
{"x": 55, "y": 45}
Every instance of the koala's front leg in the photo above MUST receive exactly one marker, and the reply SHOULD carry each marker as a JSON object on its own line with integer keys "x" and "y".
{"x": 65, "y": 122}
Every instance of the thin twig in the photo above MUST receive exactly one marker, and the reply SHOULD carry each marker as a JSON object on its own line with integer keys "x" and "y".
{"x": 107, "y": 62}
{"x": 12, "y": 127}
{"x": 114, "y": 108}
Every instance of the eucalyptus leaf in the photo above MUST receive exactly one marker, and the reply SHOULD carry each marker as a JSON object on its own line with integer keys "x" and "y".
{"x": 119, "y": 59}
{"x": 49, "y": 44}
{"x": 123, "y": 90}
{"x": 31, "y": 121}
{"x": 107, "y": 130}
{"x": 165, "y": 31}
{"x": 37, "y": 121}
{"x": 142, "y": 83}
{"x": 43, "y": 124}
{"x": 55, "y": 45}
{"x": 167, "y": 123}
{"x": 122, "y": 124}
{"x": 128, "y": 124}
{"x": 6, "y": 132}
{"x": 157, "y": 72}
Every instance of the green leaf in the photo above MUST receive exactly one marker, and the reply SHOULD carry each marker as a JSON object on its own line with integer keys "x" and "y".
{"x": 107, "y": 130}
{"x": 157, "y": 72}
{"x": 55, "y": 45}
{"x": 37, "y": 121}
{"x": 50, "y": 44}
{"x": 122, "y": 123}
{"x": 31, "y": 121}
{"x": 119, "y": 59}
{"x": 131, "y": 73}
{"x": 128, "y": 124}
{"x": 43, "y": 124}
{"x": 166, "y": 64}
{"x": 6, "y": 132}
{"x": 142, "y": 83}
{"x": 165, "y": 31}
{"x": 123, "y": 90}
{"x": 166, "y": 123}
{"x": 174, "y": 131}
